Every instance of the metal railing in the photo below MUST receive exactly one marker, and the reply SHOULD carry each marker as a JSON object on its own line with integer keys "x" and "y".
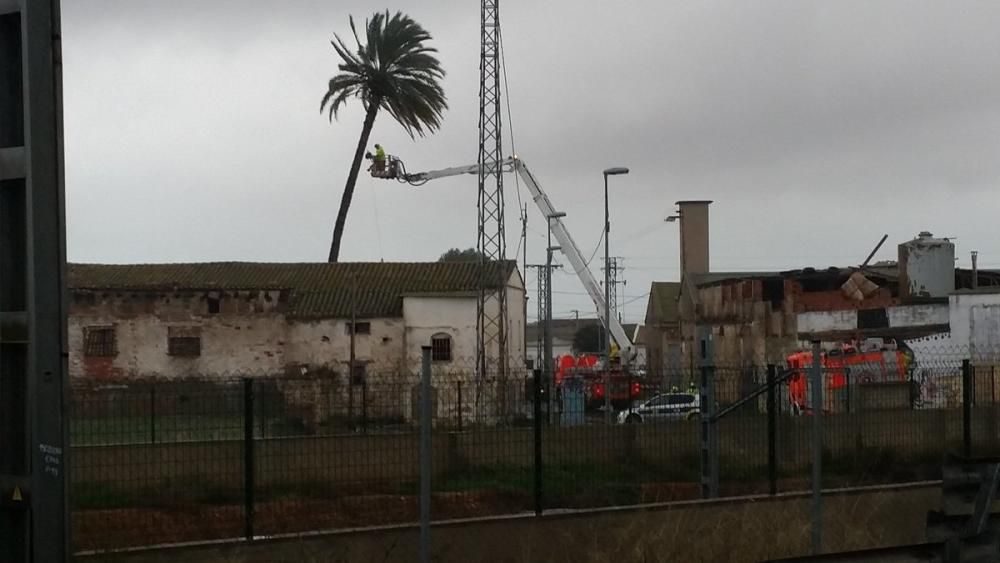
{"x": 158, "y": 461}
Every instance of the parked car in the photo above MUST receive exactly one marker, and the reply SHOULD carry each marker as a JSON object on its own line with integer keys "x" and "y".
{"x": 668, "y": 406}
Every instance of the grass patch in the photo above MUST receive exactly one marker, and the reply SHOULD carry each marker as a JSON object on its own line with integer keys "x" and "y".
{"x": 99, "y": 496}
{"x": 161, "y": 429}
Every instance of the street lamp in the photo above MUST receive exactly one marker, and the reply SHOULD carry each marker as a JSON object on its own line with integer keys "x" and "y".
{"x": 547, "y": 352}
{"x": 614, "y": 171}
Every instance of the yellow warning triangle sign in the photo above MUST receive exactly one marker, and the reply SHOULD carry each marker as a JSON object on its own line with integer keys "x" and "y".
{"x": 17, "y": 497}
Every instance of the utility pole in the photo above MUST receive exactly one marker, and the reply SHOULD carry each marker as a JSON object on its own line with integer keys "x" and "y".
{"x": 524, "y": 238}
{"x": 576, "y": 320}
{"x": 540, "y": 315}
{"x": 975, "y": 269}
{"x": 524, "y": 272}
{"x": 544, "y": 311}
{"x": 549, "y": 367}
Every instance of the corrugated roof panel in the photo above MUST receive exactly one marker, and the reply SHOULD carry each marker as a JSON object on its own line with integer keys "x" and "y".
{"x": 317, "y": 289}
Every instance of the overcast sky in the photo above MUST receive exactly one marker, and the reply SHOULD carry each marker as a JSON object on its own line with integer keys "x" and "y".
{"x": 193, "y": 131}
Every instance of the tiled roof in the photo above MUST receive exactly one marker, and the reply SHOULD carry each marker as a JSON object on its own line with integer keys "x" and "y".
{"x": 316, "y": 289}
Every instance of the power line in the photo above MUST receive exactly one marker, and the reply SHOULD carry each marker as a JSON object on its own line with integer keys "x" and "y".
{"x": 596, "y": 247}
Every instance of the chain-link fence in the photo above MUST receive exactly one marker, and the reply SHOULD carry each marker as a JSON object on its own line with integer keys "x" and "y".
{"x": 163, "y": 461}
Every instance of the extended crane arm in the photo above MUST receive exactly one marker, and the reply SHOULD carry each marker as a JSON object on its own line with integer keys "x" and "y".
{"x": 566, "y": 242}
{"x": 506, "y": 165}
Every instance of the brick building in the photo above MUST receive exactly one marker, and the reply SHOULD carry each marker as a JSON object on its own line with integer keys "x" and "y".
{"x": 755, "y": 318}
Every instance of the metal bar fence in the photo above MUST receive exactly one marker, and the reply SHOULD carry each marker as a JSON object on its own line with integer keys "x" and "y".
{"x": 257, "y": 456}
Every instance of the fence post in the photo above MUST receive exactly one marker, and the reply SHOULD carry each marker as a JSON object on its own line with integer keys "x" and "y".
{"x": 816, "y": 387}
{"x": 248, "y": 459}
{"x": 425, "y": 455}
{"x": 966, "y": 408}
{"x": 628, "y": 393}
{"x": 772, "y": 430}
{"x": 460, "y": 417}
{"x": 364, "y": 404}
{"x": 709, "y": 435}
{"x": 537, "y": 423}
{"x": 263, "y": 412}
{"x": 152, "y": 413}
{"x": 993, "y": 385}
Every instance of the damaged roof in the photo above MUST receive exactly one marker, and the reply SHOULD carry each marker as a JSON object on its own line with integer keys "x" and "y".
{"x": 712, "y": 278}
{"x": 316, "y": 290}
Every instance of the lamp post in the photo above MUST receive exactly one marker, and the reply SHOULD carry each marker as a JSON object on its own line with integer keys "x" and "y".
{"x": 547, "y": 358}
{"x": 614, "y": 171}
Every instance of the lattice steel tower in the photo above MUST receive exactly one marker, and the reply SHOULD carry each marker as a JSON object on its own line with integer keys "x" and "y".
{"x": 617, "y": 267}
{"x": 542, "y": 312}
{"x": 491, "y": 324}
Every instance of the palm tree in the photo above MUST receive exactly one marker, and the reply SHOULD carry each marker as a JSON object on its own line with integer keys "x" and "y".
{"x": 394, "y": 70}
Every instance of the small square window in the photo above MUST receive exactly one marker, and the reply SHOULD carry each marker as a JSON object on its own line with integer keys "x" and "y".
{"x": 362, "y": 327}
{"x": 184, "y": 346}
{"x": 214, "y": 305}
{"x": 99, "y": 342}
{"x": 441, "y": 348}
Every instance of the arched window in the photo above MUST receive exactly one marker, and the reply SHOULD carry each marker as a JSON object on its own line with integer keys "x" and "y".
{"x": 441, "y": 347}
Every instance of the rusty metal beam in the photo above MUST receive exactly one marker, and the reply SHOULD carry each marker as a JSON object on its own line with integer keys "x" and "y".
{"x": 889, "y": 332}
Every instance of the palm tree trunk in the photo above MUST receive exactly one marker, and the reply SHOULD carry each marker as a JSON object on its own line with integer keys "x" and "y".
{"x": 352, "y": 178}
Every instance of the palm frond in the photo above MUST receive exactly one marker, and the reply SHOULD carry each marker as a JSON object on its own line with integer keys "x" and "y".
{"x": 395, "y": 68}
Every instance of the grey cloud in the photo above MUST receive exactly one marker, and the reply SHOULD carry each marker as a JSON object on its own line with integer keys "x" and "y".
{"x": 193, "y": 132}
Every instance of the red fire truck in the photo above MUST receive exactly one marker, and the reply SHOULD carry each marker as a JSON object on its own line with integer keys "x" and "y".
{"x": 625, "y": 387}
{"x": 872, "y": 361}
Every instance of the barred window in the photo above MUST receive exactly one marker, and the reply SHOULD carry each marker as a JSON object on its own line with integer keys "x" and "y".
{"x": 99, "y": 342}
{"x": 184, "y": 341}
{"x": 441, "y": 348}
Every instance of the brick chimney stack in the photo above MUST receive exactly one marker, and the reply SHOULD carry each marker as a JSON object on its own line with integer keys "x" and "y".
{"x": 694, "y": 236}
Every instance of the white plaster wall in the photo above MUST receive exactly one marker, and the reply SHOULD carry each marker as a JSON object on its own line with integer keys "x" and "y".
{"x": 824, "y": 321}
{"x": 455, "y": 316}
{"x": 229, "y": 346}
{"x": 975, "y": 322}
{"x": 917, "y": 315}
{"x": 899, "y": 317}
{"x": 327, "y": 343}
{"x": 517, "y": 322}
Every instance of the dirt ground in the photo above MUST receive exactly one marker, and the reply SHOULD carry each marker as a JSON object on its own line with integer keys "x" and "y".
{"x": 108, "y": 529}
{"x": 97, "y": 530}
{"x": 731, "y": 530}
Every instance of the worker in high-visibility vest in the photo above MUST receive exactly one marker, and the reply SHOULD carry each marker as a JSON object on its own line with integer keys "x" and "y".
{"x": 379, "y": 159}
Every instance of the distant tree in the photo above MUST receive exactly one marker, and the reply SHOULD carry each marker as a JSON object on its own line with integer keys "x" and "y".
{"x": 587, "y": 340}
{"x": 395, "y": 70}
{"x": 458, "y": 255}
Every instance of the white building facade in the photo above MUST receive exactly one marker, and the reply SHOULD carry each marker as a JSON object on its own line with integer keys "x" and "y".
{"x": 251, "y": 319}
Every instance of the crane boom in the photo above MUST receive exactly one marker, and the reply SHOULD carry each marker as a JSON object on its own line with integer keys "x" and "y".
{"x": 568, "y": 246}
